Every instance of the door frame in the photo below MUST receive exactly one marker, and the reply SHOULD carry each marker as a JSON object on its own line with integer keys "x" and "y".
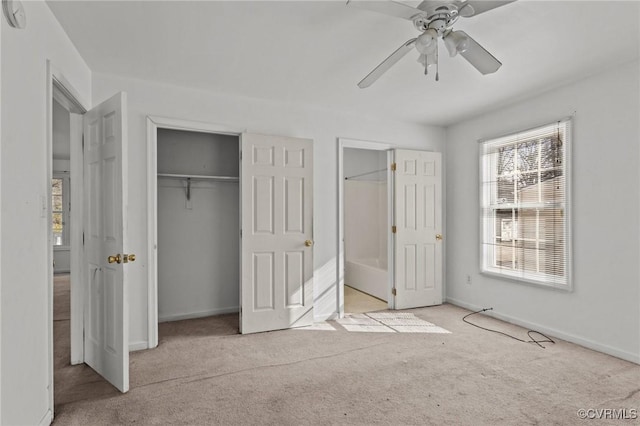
{"x": 63, "y": 91}
{"x": 373, "y": 146}
{"x": 153, "y": 124}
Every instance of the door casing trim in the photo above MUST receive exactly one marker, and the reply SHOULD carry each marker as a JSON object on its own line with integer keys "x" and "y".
{"x": 61, "y": 89}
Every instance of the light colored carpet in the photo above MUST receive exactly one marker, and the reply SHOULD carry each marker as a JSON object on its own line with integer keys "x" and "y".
{"x": 62, "y": 297}
{"x": 203, "y": 373}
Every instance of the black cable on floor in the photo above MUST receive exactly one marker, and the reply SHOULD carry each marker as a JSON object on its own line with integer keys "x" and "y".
{"x": 533, "y": 339}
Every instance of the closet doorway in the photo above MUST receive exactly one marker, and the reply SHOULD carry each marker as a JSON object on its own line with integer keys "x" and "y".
{"x": 269, "y": 245}
{"x": 198, "y": 231}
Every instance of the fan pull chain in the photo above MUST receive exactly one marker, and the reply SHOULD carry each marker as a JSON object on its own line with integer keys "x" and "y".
{"x": 437, "y": 63}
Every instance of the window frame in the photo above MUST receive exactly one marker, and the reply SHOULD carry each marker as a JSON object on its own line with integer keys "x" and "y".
{"x": 485, "y": 256}
{"x": 66, "y": 210}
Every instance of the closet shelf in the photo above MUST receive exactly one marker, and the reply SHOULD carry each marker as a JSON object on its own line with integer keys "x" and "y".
{"x": 189, "y": 178}
{"x": 200, "y": 177}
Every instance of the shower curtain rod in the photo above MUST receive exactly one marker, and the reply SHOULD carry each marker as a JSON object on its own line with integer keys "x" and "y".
{"x": 365, "y": 174}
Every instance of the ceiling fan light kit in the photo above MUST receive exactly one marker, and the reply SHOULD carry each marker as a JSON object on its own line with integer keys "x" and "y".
{"x": 434, "y": 19}
{"x": 456, "y": 42}
{"x": 426, "y": 43}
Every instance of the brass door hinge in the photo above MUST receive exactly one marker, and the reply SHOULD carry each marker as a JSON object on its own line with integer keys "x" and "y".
{"x": 393, "y": 229}
{"x": 393, "y": 291}
{"x": 393, "y": 167}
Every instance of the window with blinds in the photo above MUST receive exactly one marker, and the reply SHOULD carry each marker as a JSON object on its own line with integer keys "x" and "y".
{"x": 60, "y": 209}
{"x": 524, "y": 194}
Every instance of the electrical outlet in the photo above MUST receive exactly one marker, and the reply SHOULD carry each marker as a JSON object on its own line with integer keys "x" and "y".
{"x": 469, "y": 279}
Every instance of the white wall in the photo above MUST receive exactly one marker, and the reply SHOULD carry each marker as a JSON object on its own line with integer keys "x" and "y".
{"x": 25, "y": 304}
{"x": 258, "y": 116}
{"x": 62, "y": 259}
{"x": 62, "y": 165}
{"x": 365, "y": 204}
{"x": 602, "y": 312}
{"x": 61, "y": 132}
{"x": 198, "y": 242}
{"x": 365, "y": 213}
{"x": 357, "y": 161}
{"x": 0, "y": 224}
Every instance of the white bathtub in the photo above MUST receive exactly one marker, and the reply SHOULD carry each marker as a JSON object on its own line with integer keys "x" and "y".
{"x": 367, "y": 275}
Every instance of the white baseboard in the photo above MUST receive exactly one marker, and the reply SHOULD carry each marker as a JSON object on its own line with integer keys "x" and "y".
{"x": 138, "y": 346}
{"x": 191, "y": 315}
{"x": 590, "y": 344}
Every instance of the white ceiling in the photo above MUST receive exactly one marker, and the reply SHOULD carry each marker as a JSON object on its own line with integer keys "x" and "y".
{"x": 314, "y": 52}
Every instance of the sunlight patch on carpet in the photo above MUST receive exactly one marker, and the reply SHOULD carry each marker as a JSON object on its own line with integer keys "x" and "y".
{"x": 379, "y": 322}
{"x": 379, "y": 328}
{"x": 318, "y": 326}
{"x": 388, "y": 322}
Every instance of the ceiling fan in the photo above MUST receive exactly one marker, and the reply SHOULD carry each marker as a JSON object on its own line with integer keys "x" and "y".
{"x": 434, "y": 19}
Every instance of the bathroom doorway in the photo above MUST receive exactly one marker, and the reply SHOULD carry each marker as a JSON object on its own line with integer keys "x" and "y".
{"x": 364, "y": 226}
{"x": 413, "y": 265}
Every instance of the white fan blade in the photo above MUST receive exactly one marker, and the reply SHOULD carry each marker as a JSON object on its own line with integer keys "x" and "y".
{"x": 478, "y": 56}
{"x": 386, "y": 64}
{"x": 476, "y": 7}
{"x": 392, "y": 8}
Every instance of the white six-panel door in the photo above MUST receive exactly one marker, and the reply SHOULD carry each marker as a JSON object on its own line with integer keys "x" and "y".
{"x": 106, "y": 308}
{"x": 276, "y": 289}
{"x": 418, "y": 221}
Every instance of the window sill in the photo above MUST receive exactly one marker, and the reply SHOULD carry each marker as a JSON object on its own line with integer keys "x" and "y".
{"x": 517, "y": 278}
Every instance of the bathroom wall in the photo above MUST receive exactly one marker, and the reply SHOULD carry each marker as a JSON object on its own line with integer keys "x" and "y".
{"x": 365, "y": 204}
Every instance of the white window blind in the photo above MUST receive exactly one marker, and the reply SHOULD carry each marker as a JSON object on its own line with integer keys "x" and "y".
{"x": 524, "y": 200}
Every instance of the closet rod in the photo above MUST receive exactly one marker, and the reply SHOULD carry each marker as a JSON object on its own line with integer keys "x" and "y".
{"x": 365, "y": 174}
{"x": 200, "y": 177}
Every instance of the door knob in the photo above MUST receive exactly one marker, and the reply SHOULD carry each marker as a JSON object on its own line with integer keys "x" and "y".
{"x": 439, "y": 237}
{"x": 308, "y": 243}
{"x": 115, "y": 259}
{"x": 132, "y": 258}
{"x": 126, "y": 258}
